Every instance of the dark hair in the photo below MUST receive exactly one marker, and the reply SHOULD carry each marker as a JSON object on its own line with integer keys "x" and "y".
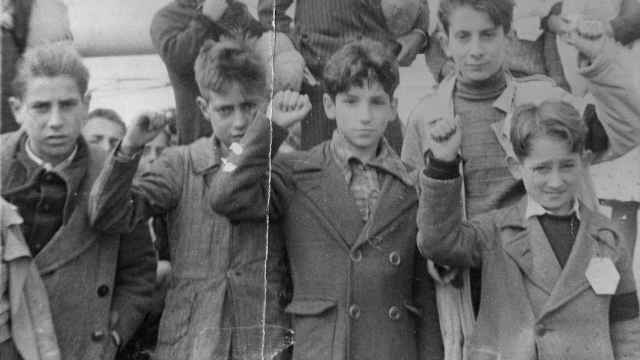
{"x": 220, "y": 64}
{"x": 552, "y": 118}
{"x": 108, "y": 114}
{"x": 50, "y": 60}
{"x": 359, "y": 62}
{"x": 499, "y": 11}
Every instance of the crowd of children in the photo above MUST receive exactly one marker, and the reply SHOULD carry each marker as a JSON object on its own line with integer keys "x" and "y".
{"x": 480, "y": 240}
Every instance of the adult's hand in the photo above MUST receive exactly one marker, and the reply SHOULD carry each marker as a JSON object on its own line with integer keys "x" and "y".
{"x": 213, "y": 9}
{"x": 410, "y": 44}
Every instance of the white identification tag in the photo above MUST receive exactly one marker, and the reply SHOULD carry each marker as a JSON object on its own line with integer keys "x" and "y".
{"x": 602, "y": 275}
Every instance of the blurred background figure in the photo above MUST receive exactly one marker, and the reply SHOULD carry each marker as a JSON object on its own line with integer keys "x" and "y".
{"x": 104, "y": 128}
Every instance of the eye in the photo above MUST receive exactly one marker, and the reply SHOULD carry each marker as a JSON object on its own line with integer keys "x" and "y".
{"x": 542, "y": 169}
{"x": 567, "y": 166}
{"x": 41, "y": 107}
{"x": 147, "y": 150}
{"x": 67, "y": 105}
{"x": 488, "y": 35}
{"x": 225, "y": 111}
{"x": 247, "y": 107}
{"x": 462, "y": 36}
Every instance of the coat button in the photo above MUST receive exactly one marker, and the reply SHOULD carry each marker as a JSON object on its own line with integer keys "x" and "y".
{"x": 356, "y": 256}
{"x": 394, "y": 258}
{"x": 97, "y": 335}
{"x": 46, "y": 207}
{"x": 354, "y": 311}
{"x": 540, "y": 330}
{"x": 394, "y": 313}
{"x": 103, "y": 290}
{"x": 48, "y": 177}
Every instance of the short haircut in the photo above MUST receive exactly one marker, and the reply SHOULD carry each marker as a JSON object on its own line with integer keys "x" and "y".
{"x": 556, "y": 119}
{"x": 50, "y": 60}
{"x": 499, "y": 11}
{"x": 108, "y": 114}
{"x": 361, "y": 63}
{"x": 221, "y": 64}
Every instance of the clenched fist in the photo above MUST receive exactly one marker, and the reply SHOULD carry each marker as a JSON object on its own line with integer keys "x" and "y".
{"x": 289, "y": 107}
{"x": 144, "y": 128}
{"x": 444, "y": 138}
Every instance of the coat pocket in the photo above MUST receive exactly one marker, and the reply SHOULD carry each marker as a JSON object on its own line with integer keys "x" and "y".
{"x": 176, "y": 315}
{"x": 314, "y": 324}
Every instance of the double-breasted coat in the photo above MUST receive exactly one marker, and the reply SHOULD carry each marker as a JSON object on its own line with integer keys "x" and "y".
{"x": 360, "y": 290}
{"x": 532, "y": 309}
{"x": 89, "y": 275}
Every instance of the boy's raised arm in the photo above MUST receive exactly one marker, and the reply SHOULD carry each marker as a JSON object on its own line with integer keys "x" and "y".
{"x": 610, "y": 75}
{"x": 249, "y": 184}
{"x": 443, "y": 236}
{"x": 118, "y": 205}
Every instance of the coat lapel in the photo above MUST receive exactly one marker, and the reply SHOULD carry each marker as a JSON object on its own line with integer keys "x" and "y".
{"x": 518, "y": 245}
{"x": 320, "y": 179}
{"x": 395, "y": 199}
{"x": 572, "y": 280}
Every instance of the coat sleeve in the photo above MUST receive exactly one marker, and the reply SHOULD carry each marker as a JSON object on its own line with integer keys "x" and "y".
{"x": 266, "y": 14}
{"x": 430, "y": 345}
{"x": 250, "y": 186}
{"x": 178, "y": 32}
{"x": 134, "y": 283}
{"x": 617, "y": 100}
{"x": 443, "y": 236}
{"x": 117, "y": 205}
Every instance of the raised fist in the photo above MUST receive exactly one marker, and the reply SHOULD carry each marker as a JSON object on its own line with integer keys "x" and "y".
{"x": 144, "y": 128}
{"x": 444, "y": 138}
{"x": 289, "y": 107}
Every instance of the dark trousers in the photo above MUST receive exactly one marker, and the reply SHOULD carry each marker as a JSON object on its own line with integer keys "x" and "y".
{"x": 8, "y": 351}
{"x": 316, "y": 127}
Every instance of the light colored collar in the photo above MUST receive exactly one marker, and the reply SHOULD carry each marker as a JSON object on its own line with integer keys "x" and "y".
{"x": 535, "y": 209}
{"x": 46, "y": 165}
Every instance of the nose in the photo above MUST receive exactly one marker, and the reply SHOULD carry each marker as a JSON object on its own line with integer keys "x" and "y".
{"x": 56, "y": 120}
{"x": 240, "y": 120}
{"x": 555, "y": 179}
{"x": 476, "y": 49}
{"x": 364, "y": 113}
{"x": 105, "y": 145}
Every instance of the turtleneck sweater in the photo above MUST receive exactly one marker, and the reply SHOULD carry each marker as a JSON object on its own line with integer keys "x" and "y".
{"x": 488, "y": 183}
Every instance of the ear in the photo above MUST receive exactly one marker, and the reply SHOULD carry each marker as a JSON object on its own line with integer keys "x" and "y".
{"x": 515, "y": 167}
{"x": 202, "y": 105}
{"x": 329, "y": 106}
{"x": 587, "y": 158}
{"x": 16, "y": 105}
{"x": 443, "y": 38}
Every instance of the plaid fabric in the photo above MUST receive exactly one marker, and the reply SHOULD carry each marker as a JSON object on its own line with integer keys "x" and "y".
{"x": 364, "y": 179}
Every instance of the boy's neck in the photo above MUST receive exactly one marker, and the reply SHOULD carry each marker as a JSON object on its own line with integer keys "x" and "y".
{"x": 362, "y": 154}
{"x": 489, "y": 88}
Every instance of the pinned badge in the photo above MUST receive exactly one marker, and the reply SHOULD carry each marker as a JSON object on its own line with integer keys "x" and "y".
{"x": 602, "y": 275}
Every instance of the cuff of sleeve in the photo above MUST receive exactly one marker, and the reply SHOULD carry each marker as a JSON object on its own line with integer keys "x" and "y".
{"x": 623, "y": 30}
{"x": 120, "y": 156}
{"x": 439, "y": 169}
{"x": 623, "y": 307}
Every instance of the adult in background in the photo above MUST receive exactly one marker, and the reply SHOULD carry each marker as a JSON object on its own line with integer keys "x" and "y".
{"x": 99, "y": 287}
{"x": 324, "y": 26}
{"x": 104, "y": 128}
{"x": 178, "y": 30}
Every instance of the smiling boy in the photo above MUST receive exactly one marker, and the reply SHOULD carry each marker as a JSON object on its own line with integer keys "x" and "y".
{"x": 556, "y": 276}
{"x": 347, "y": 208}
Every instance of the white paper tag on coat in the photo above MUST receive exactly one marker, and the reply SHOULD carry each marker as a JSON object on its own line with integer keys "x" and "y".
{"x": 602, "y": 276}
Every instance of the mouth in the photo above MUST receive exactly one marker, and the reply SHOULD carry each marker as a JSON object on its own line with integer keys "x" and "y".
{"x": 57, "y": 139}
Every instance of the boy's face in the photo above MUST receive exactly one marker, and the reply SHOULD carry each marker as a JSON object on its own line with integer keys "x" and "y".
{"x": 52, "y": 112}
{"x": 231, "y": 112}
{"x": 362, "y": 114}
{"x": 475, "y": 43}
{"x": 103, "y": 132}
{"x": 551, "y": 174}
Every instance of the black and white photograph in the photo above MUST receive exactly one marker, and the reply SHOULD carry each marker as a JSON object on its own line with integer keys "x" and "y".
{"x": 320, "y": 180}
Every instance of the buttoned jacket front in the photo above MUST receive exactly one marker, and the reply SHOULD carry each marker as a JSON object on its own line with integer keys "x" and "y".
{"x": 216, "y": 294}
{"x": 360, "y": 290}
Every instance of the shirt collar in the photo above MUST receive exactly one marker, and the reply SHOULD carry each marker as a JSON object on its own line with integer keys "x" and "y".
{"x": 46, "y": 165}
{"x": 386, "y": 159}
{"x": 535, "y": 209}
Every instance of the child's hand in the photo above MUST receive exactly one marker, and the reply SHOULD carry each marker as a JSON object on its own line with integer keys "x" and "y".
{"x": 289, "y": 107}
{"x": 444, "y": 138}
{"x": 588, "y": 37}
{"x": 145, "y": 127}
